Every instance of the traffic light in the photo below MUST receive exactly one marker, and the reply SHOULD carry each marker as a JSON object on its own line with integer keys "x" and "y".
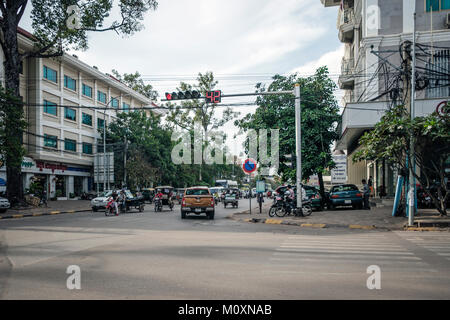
{"x": 182, "y": 95}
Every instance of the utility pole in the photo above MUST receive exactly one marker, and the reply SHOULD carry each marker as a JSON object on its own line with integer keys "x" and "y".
{"x": 298, "y": 146}
{"x": 125, "y": 162}
{"x": 412, "y": 167}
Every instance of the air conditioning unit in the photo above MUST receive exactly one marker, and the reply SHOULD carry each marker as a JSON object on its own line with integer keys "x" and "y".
{"x": 447, "y": 20}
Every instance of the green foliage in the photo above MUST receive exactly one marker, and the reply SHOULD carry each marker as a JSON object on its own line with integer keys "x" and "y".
{"x": 49, "y": 21}
{"x": 135, "y": 82}
{"x": 11, "y": 113}
{"x": 319, "y": 113}
{"x": 390, "y": 141}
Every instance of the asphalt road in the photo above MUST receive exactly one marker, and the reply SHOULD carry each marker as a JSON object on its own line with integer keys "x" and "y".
{"x": 160, "y": 256}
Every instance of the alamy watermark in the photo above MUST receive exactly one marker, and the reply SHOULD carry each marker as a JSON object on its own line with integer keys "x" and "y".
{"x": 186, "y": 152}
{"x": 374, "y": 280}
{"x": 73, "y": 21}
{"x": 74, "y": 280}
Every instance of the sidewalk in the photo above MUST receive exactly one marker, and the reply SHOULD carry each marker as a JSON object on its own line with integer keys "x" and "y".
{"x": 376, "y": 218}
{"x": 54, "y": 207}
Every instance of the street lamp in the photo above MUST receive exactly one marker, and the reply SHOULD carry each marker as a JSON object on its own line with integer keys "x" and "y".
{"x": 104, "y": 139}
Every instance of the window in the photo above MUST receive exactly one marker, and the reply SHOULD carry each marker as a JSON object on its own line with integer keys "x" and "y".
{"x": 114, "y": 103}
{"x": 50, "y": 107}
{"x": 126, "y": 107}
{"x": 50, "y": 74}
{"x": 87, "y": 148}
{"x": 438, "y": 69}
{"x": 70, "y": 114}
{"x": 101, "y": 96}
{"x": 100, "y": 123}
{"x": 70, "y": 145}
{"x": 87, "y": 91}
{"x": 437, "y": 5}
{"x": 70, "y": 83}
{"x": 86, "y": 119}
{"x": 50, "y": 141}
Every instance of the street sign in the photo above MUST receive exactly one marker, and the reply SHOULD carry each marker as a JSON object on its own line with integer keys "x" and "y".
{"x": 249, "y": 166}
{"x": 260, "y": 186}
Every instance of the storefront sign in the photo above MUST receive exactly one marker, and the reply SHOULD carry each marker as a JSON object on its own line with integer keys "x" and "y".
{"x": 339, "y": 173}
{"x": 52, "y": 166}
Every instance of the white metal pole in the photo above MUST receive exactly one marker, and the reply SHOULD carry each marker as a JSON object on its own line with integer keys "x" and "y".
{"x": 411, "y": 196}
{"x": 298, "y": 144}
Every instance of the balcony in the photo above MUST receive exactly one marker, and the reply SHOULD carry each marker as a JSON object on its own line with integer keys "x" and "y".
{"x": 346, "y": 25}
{"x": 347, "y": 79}
{"x": 330, "y": 3}
{"x": 360, "y": 117}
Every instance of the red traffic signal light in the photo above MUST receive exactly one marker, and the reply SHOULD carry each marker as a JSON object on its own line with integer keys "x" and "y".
{"x": 182, "y": 95}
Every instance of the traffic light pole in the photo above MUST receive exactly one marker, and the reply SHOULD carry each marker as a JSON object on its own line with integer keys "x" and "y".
{"x": 298, "y": 145}
{"x": 298, "y": 133}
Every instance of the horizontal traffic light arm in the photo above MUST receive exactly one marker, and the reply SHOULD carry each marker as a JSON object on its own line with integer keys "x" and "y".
{"x": 231, "y": 95}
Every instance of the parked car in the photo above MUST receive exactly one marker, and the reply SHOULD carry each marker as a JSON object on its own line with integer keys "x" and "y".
{"x": 4, "y": 204}
{"x": 346, "y": 195}
{"x": 311, "y": 192}
{"x": 198, "y": 200}
{"x": 102, "y": 200}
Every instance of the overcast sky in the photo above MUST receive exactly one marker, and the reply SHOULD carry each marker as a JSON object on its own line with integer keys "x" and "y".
{"x": 241, "y": 41}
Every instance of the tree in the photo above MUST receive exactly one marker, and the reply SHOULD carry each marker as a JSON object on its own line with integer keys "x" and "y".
{"x": 146, "y": 136}
{"x": 389, "y": 141}
{"x": 319, "y": 113}
{"x": 56, "y": 29}
{"x": 135, "y": 82}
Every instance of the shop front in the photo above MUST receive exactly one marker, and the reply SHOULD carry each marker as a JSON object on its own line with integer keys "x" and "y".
{"x": 60, "y": 180}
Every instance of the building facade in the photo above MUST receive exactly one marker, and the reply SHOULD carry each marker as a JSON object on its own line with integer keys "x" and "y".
{"x": 373, "y": 32}
{"x": 66, "y": 102}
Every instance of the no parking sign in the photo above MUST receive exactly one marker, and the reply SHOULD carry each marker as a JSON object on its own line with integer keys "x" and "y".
{"x": 249, "y": 166}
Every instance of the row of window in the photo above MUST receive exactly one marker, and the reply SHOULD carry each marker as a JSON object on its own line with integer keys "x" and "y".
{"x": 69, "y": 144}
{"x": 71, "y": 114}
{"x": 70, "y": 83}
{"x": 437, "y": 5}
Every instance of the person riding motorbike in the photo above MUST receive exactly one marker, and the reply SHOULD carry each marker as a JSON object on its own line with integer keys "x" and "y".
{"x": 115, "y": 196}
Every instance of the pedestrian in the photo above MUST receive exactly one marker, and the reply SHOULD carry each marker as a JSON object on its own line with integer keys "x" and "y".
{"x": 366, "y": 194}
{"x": 370, "y": 184}
{"x": 260, "y": 201}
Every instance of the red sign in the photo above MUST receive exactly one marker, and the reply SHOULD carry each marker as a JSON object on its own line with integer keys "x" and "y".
{"x": 249, "y": 166}
{"x": 214, "y": 96}
{"x": 443, "y": 108}
{"x": 53, "y": 166}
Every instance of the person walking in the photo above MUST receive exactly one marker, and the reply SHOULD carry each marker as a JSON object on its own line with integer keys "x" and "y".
{"x": 366, "y": 194}
{"x": 260, "y": 201}
{"x": 370, "y": 184}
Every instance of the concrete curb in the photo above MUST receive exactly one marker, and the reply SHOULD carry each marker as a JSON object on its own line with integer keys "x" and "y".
{"x": 327, "y": 225}
{"x": 26, "y": 215}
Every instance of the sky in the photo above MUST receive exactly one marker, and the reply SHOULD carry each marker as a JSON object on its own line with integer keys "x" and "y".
{"x": 242, "y": 42}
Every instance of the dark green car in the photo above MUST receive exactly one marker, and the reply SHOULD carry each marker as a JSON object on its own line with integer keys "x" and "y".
{"x": 311, "y": 192}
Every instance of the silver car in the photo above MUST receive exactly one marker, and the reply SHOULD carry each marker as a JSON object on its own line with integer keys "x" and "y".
{"x": 4, "y": 204}
{"x": 101, "y": 201}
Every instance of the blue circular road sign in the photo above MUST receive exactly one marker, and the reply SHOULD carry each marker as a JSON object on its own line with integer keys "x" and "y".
{"x": 249, "y": 166}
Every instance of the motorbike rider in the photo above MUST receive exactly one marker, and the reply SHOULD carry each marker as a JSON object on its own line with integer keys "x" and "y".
{"x": 122, "y": 198}
{"x": 115, "y": 197}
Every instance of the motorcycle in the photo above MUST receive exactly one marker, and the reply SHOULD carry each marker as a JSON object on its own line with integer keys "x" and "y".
{"x": 283, "y": 206}
{"x": 158, "y": 204}
{"x": 111, "y": 208}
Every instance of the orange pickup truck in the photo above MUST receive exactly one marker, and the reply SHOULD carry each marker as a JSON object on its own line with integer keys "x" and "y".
{"x": 197, "y": 200}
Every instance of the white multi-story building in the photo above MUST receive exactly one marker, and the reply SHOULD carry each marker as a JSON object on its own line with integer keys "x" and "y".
{"x": 64, "y": 100}
{"x": 373, "y": 31}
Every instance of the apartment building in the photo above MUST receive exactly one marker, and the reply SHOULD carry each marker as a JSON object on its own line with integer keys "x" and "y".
{"x": 373, "y": 31}
{"x": 66, "y": 102}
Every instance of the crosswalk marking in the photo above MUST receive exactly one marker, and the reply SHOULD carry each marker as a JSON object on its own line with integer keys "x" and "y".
{"x": 438, "y": 243}
{"x": 346, "y": 254}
